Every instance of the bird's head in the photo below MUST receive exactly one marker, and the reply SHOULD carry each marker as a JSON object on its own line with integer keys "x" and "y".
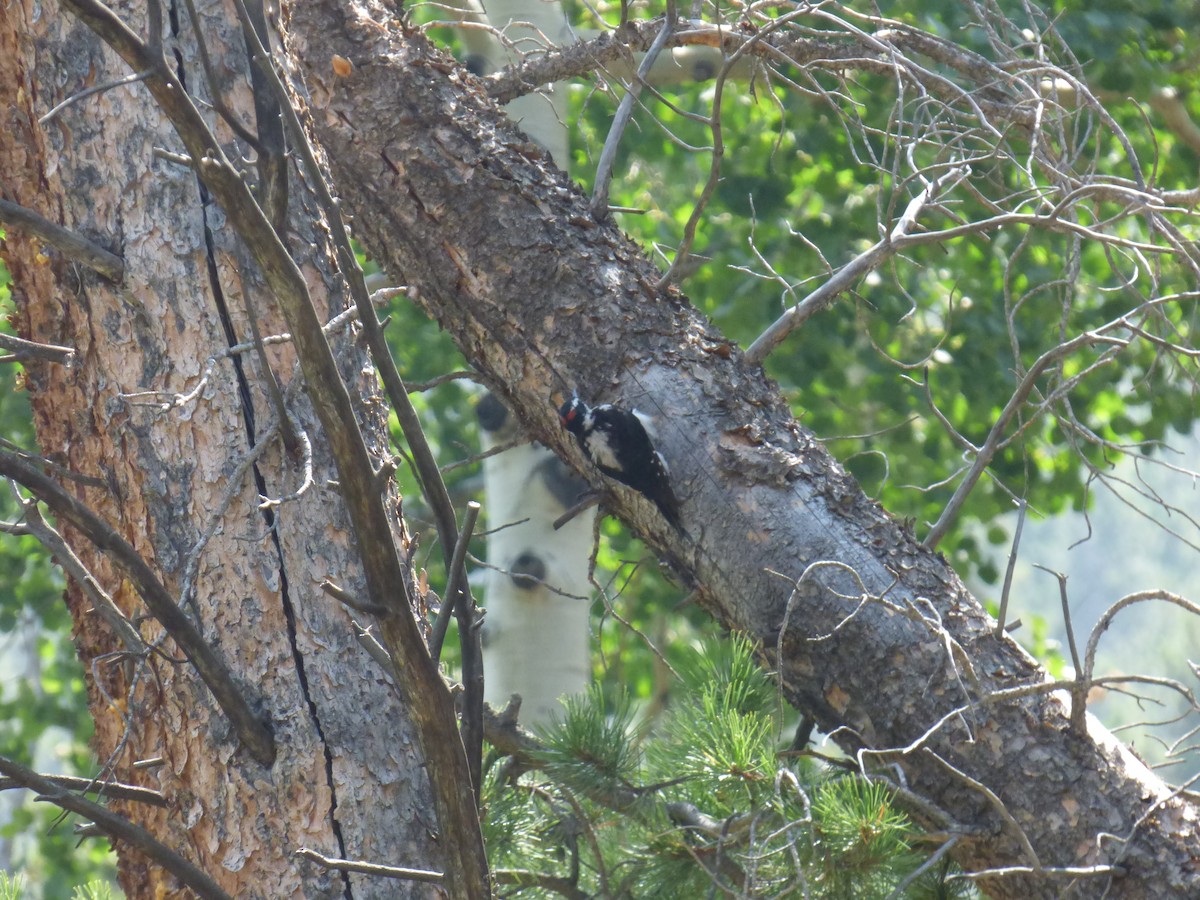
{"x": 571, "y": 413}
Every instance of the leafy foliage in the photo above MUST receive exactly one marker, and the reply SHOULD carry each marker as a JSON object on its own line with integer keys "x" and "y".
{"x": 946, "y": 326}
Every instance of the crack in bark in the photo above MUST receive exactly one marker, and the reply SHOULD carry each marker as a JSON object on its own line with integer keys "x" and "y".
{"x": 268, "y": 514}
{"x": 246, "y": 402}
{"x": 289, "y": 613}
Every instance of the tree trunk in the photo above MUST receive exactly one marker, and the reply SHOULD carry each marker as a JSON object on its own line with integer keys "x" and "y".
{"x": 348, "y": 778}
{"x": 537, "y": 631}
{"x": 502, "y": 249}
{"x": 787, "y": 548}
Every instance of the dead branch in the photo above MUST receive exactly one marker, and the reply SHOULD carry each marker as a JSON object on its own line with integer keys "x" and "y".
{"x": 73, "y": 246}
{"x": 117, "y": 827}
{"x": 382, "y": 871}
{"x": 252, "y": 731}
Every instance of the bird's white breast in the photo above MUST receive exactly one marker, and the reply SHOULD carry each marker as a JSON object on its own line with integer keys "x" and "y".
{"x": 598, "y": 447}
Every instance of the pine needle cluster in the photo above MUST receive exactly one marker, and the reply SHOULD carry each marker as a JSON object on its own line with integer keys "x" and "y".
{"x": 707, "y": 805}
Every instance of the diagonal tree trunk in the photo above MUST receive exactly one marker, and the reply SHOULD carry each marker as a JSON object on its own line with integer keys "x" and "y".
{"x": 789, "y": 550}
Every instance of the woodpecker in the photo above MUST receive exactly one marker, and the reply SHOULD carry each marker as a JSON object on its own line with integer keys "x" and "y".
{"x": 616, "y": 440}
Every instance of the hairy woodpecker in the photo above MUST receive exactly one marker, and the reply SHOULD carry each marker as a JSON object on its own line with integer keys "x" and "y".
{"x": 616, "y": 441}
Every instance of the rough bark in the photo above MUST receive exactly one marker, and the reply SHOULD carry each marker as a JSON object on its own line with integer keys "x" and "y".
{"x": 543, "y": 299}
{"x": 348, "y": 779}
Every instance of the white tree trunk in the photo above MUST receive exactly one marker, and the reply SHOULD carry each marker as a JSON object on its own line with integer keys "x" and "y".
{"x": 536, "y": 630}
{"x": 527, "y": 28}
{"x": 537, "y": 638}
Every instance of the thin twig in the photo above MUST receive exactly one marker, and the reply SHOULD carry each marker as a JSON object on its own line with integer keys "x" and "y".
{"x": 471, "y": 644}
{"x": 1150, "y": 812}
{"x": 1043, "y": 871}
{"x": 283, "y": 421}
{"x": 353, "y": 865}
{"x": 846, "y": 276}
{"x": 233, "y": 489}
{"x": 94, "y": 89}
{"x": 491, "y": 451}
{"x": 374, "y": 649}
{"x": 1089, "y": 659}
{"x": 345, "y": 597}
{"x": 417, "y": 387}
{"x": 74, "y": 567}
{"x": 218, "y": 100}
{"x": 458, "y": 602}
{"x": 455, "y": 580}
{"x": 997, "y": 804}
{"x": 587, "y": 501}
{"x": 1002, "y": 615}
{"x": 1081, "y": 685}
{"x": 112, "y": 789}
{"x": 608, "y": 154}
{"x": 994, "y": 439}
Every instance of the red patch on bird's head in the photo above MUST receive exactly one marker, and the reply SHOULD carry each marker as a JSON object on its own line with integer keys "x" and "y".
{"x": 568, "y": 417}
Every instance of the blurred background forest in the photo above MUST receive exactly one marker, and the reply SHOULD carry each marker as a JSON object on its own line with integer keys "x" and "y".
{"x": 917, "y": 340}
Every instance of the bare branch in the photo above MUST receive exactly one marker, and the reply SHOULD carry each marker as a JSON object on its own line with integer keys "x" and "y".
{"x": 865, "y": 262}
{"x": 96, "y": 786}
{"x": 1002, "y": 613}
{"x": 117, "y": 827}
{"x": 73, "y": 246}
{"x": 1089, "y": 658}
{"x": 416, "y": 387}
{"x": 1079, "y": 690}
{"x": 993, "y": 443}
{"x": 89, "y": 92}
{"x": 1044, "y": 871}
{"x": 474, "y": 458}
{"x": 632, "y": 91}
{"x": 24, "y": 351}
{"x": 454, "y": 586}
{"x": 344, "y": 596}
{"x": 252, "y": 731}
{"x": 996, "y": 803}
{"x": 75, "y": 568}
